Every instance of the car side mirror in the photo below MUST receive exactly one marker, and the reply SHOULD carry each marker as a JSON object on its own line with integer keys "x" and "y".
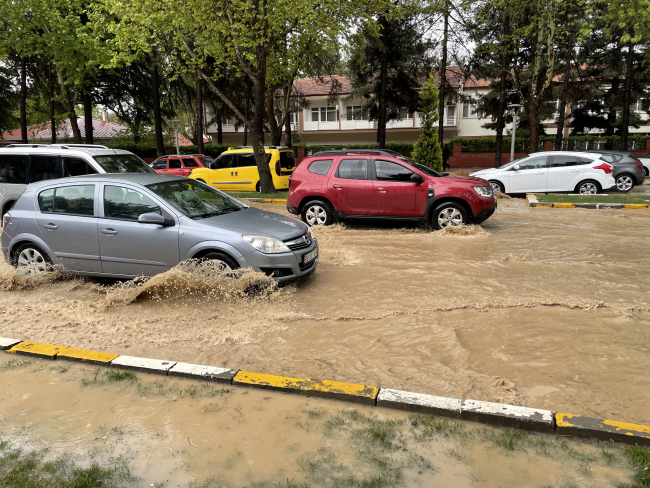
{"x": 515, "y": 167}
{"x": 151, "y": 218}
{"x": 416, "y": 178}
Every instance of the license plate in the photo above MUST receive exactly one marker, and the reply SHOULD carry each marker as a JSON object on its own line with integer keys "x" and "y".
{"x": 310, "y": 256}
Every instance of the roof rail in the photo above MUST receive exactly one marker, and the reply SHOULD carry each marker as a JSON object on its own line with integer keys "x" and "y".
{"x": 72, "y": 146}
{"x": 27, "y": 145}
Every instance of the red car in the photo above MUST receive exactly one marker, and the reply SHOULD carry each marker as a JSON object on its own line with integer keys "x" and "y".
{"x": 325, "y": 188}
{"x": 180, "y": 165}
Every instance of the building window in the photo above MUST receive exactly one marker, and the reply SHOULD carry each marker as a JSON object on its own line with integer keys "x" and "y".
{"x": 471, "y": 111}
{"x": 450, "y": 118}
{"x": 293, "y": 118}
{"x": 638, "y": 106}
{"x": 404, "y": 114}
{"x": 228, "y": 120}
{"x": 356, "y": 112}
{"x": 324, "y": 114}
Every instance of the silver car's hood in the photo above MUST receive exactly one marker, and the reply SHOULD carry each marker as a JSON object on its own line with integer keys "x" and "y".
{"x": 254, "y": 221}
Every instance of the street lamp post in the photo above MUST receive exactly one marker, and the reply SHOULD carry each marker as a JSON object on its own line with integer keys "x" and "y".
{"x": 176, "y": 124}
{"x": 515, "y": 109}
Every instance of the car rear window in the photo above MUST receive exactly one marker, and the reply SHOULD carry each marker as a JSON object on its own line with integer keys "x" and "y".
{"x": 190, "y": 163}
{"x": 175, "y": 164}
{"x": 320, "y": 167}
{"x": 287, "y": 160}
{"x": 70, "y": 200}
{"x": 13, "y": 168}
{"x": 353, "y": 169}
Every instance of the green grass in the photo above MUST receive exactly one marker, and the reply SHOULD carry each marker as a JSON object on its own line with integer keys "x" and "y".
{"x": 254, "y": 194}
{"x": 556, "y": 198}
{"x": 639, "y": 459}
{"x": 20, "y": 470}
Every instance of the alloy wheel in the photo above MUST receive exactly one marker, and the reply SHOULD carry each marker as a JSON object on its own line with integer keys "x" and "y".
{"x": 450, "y": 217}
{"x": 588, "y": 189}
{"x": 624, "y": 183}
{"x": 220, "y": 265}
{"x": 496, "y": 188}
{"x": 32, "y": 258}
{"x": 316, "y": 215}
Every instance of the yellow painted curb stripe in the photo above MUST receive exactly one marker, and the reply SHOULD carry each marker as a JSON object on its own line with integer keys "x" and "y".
{"x": 279, "y": 200}
{"x": 565, "y": 420}
{"x": 86, "y": 355}
{"x": 564, "y": 205}
{"x": 560, "y": 422}
{"x": 37, "y": 349}
{"x": 269, "y": 380}
{"x": 340, "y": 388}
{"x": 549, "y": 205}
{"x": 625, "y": 426}
{"x": 634, "y": 205}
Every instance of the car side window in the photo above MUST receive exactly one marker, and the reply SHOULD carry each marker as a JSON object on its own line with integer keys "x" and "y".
{"x": 607, "y": 157}
{"x": 126, "y": 204}
{"x": 533, "y": 163}
{"x": 70, "y": 200}
{"x": 246, "y": 161}
{"x": 160, "y": 164}
{"x": 584, "y": 160}
{"x": 564, "y": 161}
{"x": 190, "y": 163}
{"x": 77, "y": 167}
{"x": 353, "y": 169}
{"x": 389, "y": 171}
{"x": 13, "y": 168}
{"x": 42, "y": 168}
{"x": 175, "y": 164}
{"x": 320, "y": 167}
{"x": 224, "y": 161}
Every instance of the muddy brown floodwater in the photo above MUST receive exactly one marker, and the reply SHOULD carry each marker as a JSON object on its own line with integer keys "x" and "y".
{"x": 541, "y": 307}
{"x": 175, "y": 432}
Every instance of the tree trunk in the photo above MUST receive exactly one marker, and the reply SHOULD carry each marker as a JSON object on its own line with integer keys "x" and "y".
{"x": 627, "y": 96}
{"x": 533, "y": 126}
{"x": 23, "y": 101}
{"x": 276, "y": 130}
{"x": 613, "y": 94}
{"x": 52, "y": 119}
{"x": 257, "y": 125}
{"x": 199, "y": 113}
{"x": 220, "y": 129}
{"x": 157, "y": 116}
{"x": 503, "y": 85}
{"x": 248, "y": 99}
{"x": 383, "y": 75}
{"x": 88, "y": 117}
{"x": 287, "y": 130}
{"x": 565, "y": 90}
{"x": 443, "y": 74}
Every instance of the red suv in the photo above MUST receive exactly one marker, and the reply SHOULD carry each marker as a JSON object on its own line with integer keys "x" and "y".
{"x": 180, "y": 165}
{"x": 330, "y": 187}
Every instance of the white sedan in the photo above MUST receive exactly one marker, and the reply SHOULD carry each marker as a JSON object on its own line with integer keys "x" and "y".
{"x": 561, "y": 171}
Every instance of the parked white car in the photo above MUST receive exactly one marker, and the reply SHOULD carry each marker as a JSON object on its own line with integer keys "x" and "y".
{"x": 646, "y": 165}
{"x": 561, "y": 171}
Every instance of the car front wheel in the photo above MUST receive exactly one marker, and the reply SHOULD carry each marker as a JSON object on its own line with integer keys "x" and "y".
{"x": 497, "y": 186}
{"x": 220, "y": 262}
{"x": 316, "y": 213}
{"x": 588, "y": 187}
{"x": 449, "y": 215}
{"x": 624, "y": 183}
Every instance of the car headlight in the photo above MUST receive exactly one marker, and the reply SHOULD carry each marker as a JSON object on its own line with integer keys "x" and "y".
{"x": 484, "y": 191}
{"x": 267, "y": 244}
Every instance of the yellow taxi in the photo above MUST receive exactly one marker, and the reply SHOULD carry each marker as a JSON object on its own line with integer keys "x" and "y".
{"x": 235, "y": 169}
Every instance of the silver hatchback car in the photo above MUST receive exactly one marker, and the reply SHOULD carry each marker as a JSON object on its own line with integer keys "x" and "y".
{"x": 129, "y": 225}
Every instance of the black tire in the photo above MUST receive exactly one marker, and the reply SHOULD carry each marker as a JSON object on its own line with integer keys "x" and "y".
{"x": 497, "y": 185}
{"x": 646, "y": 171}
{"x": 230, "y": 263}
{"x": 258, "y": 187}
{"x": 317, "y": 212}
{"x": 588, "y": 187}
{"x": 625, "y": 182}
{"x": 449, "y": 214}
{"x": 40, "y": 260}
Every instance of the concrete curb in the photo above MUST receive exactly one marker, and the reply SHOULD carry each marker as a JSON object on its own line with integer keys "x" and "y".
{"x": 532, "y": 201}
{"x": 499, "y": 414}
{"x": 265, "y": 200}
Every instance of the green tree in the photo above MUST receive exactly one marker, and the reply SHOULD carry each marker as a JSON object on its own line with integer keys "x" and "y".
{"x": 427, "y": 149}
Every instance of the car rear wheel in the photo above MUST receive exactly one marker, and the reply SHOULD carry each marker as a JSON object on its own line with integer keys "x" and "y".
{"x": 316, "y": 213}
{"x": 588, "y": 187}
{"x": 220, "y": 262}
{"x": 258, "y": 187}
{"x": 32, "y": 257}
{"x": 624, "y": 183}
{"x": 497, "y": 186}
{"x": 449, "y": 215}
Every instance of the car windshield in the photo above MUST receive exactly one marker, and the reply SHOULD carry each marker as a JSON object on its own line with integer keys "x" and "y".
{"x": 206, "y": 161}
{"x": 506, "y": 166}
{"x": 421, "y": 167}
{"x": 123, "y": 163}
{"x": 195, "y": 199}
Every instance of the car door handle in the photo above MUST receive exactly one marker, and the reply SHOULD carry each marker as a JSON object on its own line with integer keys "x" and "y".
{"x": 381, "y": 190}
{"x": 235, "y": 173}
{"x": 338, "y": 187}
{"x": 231, "y": 173}
{"x": 50, "y": 226}
{"x": 109, "y": 232}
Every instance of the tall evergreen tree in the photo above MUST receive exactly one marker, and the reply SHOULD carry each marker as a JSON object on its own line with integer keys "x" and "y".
{"x": 427, "y": 149}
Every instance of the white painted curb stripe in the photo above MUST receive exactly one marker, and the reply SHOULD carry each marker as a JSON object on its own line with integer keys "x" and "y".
{"x": 6, "y": 343}
{"x": 142, "y": 364}
{"x": 419, "y": 402}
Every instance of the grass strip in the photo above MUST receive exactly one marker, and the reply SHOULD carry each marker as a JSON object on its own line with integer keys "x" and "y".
{"x": 557, "y": 198}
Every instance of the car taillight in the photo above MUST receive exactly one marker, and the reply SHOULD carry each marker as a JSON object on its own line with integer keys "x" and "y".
{"x": 638, "y": 165}
{"x": 5, "y": 219}
{"x": 607, "y": 168}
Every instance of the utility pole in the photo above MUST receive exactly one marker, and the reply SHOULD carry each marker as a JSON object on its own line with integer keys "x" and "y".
{"x": 515, "y": 108}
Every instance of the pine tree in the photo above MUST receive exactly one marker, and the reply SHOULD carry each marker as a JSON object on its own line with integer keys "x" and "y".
{"x": 427, "y": 150}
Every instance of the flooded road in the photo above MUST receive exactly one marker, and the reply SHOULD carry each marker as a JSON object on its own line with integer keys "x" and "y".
{"x": 171, "y": 432}
{"x": 543, "y": 307}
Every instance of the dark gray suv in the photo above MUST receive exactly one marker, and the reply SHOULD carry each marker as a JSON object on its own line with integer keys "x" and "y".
{"x": 130, "y": 225}
{"x": 628, "y": 170}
